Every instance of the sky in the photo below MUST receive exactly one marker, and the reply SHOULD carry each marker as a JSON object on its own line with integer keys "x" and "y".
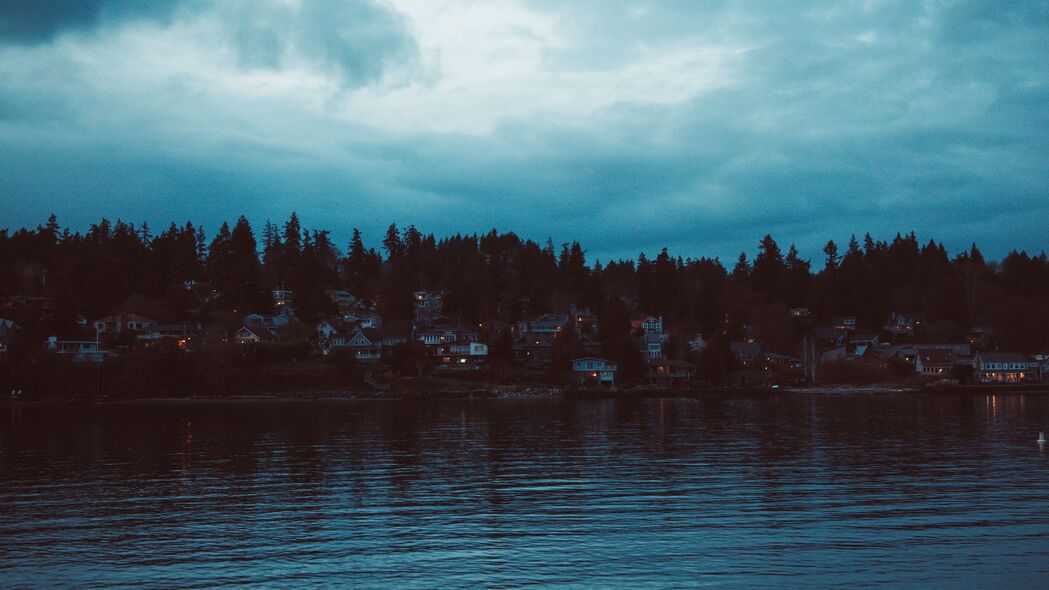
{"x": 628, "y": 126}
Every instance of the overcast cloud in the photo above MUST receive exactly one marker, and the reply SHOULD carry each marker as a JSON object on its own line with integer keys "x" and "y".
{"x": 628, "y": 126}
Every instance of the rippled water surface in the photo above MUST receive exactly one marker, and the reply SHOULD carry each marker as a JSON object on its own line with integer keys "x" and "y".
{"x": 810, "y": 491}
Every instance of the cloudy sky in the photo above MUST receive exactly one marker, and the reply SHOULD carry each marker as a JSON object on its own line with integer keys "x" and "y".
{"x": 698, "y": 125}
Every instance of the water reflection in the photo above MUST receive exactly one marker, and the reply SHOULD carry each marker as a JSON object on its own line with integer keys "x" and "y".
{"x": 843, "y": 490}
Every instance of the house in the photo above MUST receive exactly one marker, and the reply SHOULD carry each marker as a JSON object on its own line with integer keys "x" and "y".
{"x": 829, "y": 337}
{"x": 844, "y": 322}
{"x": 800, "y": 313}
{"x": 648, "y": 324}
{"x": 904, "y": 353}
{"x": 116, "y": 324}
{"x": 428, "y": 306}
{"x": 78, "y": 351}
{"x": 651, "y": 346}
{"x": 366, "y": 345}
{"x": 593, "y": 370}
{"x": 746, "y": 353}
{"x": 784, "y": 368}
{"x": 534, "y": 339}
{"x": 650, "y": 336}
{"x": 590, "y": 345}
{"x": 933, "y": 362}
{"x": 903, "y": 324}
{"x": 463, "y": 354}
{"x": 277, "y": 320}
{"x": 181, "y": 334}
{"x": 781, "y": 362}
{"x": 857, "y": 345}
{"x": 582, "y": 319}
{"x": 544, "y": 327}
{"x": 283, "y": 297}
{"x": 1043, "y": 367}
{"x": 7, "y": 331}
{"x": 669, "y": 373}
{"x": 368, "y": 320}
{"x": 246, "y": 335}
{"x": 1001, "y": 367}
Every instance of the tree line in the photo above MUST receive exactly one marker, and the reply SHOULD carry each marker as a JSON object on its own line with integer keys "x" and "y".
{"x": 496, "y": 279}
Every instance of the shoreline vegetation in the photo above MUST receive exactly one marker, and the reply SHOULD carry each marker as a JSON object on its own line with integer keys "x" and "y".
{"x": 118, "y": 310}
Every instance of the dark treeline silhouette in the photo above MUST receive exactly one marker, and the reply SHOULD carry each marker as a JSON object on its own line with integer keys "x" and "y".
{"x": 497, "y": 278}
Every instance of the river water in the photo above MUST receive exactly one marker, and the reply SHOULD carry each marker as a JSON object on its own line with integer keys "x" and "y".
{"x": 794, "y": 490}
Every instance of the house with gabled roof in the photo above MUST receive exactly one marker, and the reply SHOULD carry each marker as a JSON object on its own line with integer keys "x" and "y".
{"x": 1001, "y": 367}
{"x": 932, "y": 362}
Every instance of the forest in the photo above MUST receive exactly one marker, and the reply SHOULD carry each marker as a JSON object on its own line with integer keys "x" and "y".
{"x": 52, "y": 276}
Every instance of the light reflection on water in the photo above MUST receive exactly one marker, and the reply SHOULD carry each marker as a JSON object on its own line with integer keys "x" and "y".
{"x": 811, "y": 491}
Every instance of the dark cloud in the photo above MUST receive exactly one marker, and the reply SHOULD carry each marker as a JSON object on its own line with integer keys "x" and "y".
{"x": 36, "y": 21}
{"x": 834, "y": 119}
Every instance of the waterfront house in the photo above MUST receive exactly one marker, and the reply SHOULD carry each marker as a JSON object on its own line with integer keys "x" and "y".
{"x": 1043, "y": 367}
{"x": 669, "y": 373}
{"x": 593, "y": 370}
{"x": 78, "y": 351}
{"x": 1001, "y": 367}
{"x": 933, "y": 362}
{"x": 746, "y": 353}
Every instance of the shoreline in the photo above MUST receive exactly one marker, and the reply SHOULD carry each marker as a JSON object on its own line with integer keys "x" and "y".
{"x": 553, "y": 393}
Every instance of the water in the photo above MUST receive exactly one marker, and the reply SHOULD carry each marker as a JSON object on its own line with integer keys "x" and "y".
{"x": 799, "y": 491}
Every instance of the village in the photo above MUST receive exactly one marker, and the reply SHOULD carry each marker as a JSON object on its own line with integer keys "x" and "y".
{"x": 437, "y": 344}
